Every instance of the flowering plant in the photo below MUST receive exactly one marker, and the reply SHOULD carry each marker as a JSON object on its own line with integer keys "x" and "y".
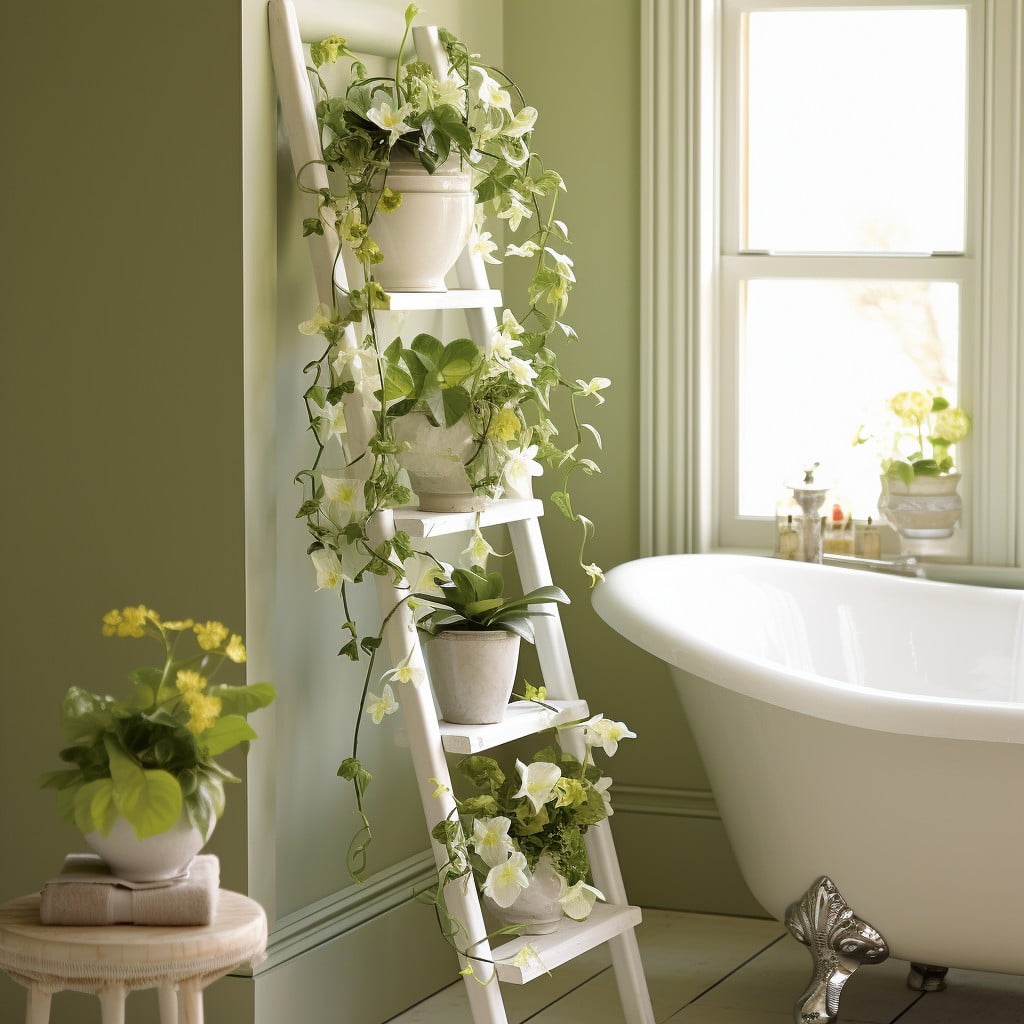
{"x": 147, "y": 756}
{"x": 544, "y": 808}
{"x": 920, "y": 431}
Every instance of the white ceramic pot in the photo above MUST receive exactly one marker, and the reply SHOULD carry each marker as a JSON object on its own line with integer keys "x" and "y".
{"x": 423, "y": 238}
{"x": 537, "y": 909}
{"x": 155, "y": 858}
{"x": 928, "y": 508}
{"x": 472, "y": 674}
{"x": 436, "y": 464}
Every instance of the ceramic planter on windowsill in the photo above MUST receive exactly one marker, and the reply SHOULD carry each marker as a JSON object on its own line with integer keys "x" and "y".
{"x": 928, "y": 507}
{"x": 472, "y": 673}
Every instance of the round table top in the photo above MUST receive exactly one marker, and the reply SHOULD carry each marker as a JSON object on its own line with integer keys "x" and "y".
{"x": 127, "y": 952}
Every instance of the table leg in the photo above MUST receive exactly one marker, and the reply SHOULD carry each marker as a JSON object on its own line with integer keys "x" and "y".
{"x": 190, "y": 1002}
{"x": 112, "y": 1004}
{"x": 37, "y": 1010}
{"x": 168, "y": 1003}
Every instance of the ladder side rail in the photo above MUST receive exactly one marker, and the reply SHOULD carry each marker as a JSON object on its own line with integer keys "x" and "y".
{"x": 470, "y": 269}
{"x": 368, "y": 28}
{"x": 429, "y": 763}
{"x": 534, "y": 571}
{"x": 300, "y": 124}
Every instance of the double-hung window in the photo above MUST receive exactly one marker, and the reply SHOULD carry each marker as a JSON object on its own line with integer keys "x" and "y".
{"x": 855, "y": 181}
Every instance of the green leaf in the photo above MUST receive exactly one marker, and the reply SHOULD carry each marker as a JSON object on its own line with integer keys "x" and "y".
{"x": 94, "y": 807}
{"x": 312, "y": 226}
{"x": 560, "y": 499}
{"x": 455, "y": 404}
{"x": 397, "y": 383}
{"x": 460, "y": 359}
{"x": 149, "y": 799}
{"x": 429, "y": 350}
{"x": 939, "y": 403}
{"x": 484, "y": 772}
{"x": 227, "y": 732}
{"x": 926, "y": 467}
{"x": 448, "y": 120}
{"x": 241, "y": 700}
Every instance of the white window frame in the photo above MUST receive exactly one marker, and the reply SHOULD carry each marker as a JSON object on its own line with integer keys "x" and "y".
{"x": 691, "y": 266}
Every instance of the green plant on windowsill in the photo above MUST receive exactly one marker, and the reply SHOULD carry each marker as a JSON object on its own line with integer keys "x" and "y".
{"x": 918, "y": 437}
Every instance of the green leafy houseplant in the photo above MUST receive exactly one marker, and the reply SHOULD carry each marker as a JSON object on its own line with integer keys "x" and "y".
{"x": 516, "y": 818}
{"x": 918, "y": 438}
{"x": 152, "y": 753}
{"x": 474, "y": 601}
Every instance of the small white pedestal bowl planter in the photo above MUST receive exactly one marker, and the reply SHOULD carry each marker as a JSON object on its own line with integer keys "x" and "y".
{"x": 153, "y": 859}
{"x": 436, "y": 464}
{"x": 472, "y": 673}
{"x": 928, "y": 508}
{"x": 537, "y": 909}
{"x": 423, "y": 238}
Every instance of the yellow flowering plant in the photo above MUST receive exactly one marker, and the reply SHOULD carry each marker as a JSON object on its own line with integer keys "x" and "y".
{"x": 151, "y": 754}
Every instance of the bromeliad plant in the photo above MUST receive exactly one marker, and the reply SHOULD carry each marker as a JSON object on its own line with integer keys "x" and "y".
{"x": 918, "y": 439}
{"x": 543, "y": 808}
{"x": 152, "y": 753}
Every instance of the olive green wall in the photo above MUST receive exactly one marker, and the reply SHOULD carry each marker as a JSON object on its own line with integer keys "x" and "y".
{"x": 579, "y": 63}
{"x": 121, "y": 379}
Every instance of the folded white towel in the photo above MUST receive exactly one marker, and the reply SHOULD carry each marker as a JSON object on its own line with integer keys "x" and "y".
{"x": 86, "y": 893}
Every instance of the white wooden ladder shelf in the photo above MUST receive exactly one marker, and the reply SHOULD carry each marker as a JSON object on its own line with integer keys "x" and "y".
{"x": 613, "y": 922}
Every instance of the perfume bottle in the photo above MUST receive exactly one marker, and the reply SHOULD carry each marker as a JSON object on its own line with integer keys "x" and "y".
{"x": 870, "y": 541}
{"x": 787, "y": 539}
{"x": 839, "y": 530}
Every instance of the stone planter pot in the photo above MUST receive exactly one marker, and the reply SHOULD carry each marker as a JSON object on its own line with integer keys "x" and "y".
{"x": 153, "y": 859}
{"x": 423, "y": 238}
{"x": 537, "y": 909}
{"x": 472, "y": 674}
{"x": 929, "y": 508}
{"x": 436, "y": 464}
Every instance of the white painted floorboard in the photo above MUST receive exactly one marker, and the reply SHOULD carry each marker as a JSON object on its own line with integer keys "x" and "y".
{"x": 708, "y": 969}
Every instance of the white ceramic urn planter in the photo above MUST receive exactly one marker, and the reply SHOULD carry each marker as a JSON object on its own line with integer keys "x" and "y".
{"x": 537, "y": 908}
{"x": 423, "y": 238}
{"x": 472, "y": 673}
{"x": 156, "y": 858}
{"x": 436, "y": 464}
{"x": 928, "y": 508}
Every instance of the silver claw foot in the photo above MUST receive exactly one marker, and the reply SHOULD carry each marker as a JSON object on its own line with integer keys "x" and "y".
{"x": 839, "y": 942}
{"x": 926, "y": 977}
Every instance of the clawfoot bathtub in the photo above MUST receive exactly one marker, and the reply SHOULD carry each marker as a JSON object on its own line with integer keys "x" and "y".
{"x": 864, "y": 739}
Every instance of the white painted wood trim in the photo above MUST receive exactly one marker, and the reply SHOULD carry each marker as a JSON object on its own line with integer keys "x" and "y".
{"x": 665, "y": 801}
{"x": 367, "y": 27}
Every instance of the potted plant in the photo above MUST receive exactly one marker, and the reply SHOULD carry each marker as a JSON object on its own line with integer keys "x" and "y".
{"x": 472, "y": 642}
{"x": 521, "y": 835}
{"x": 919, "y": 495}
{"x": 145, "y": 789}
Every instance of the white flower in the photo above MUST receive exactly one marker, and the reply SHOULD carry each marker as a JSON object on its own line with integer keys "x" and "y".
{"x": 578, "y": 900}
{"x": 477, "y": 551}
{"x": 406, "y": 673}
{"x": 346, "y": 491}
{"x": 602, "y": 786}
{"x": 595, "y": 385}
{"x": 361, "y": 367}
{"x": 527, "y": 957}
{"x": 604, "y": 733}
{"x": 422, "y": 571}
{"x": 595, "y": 573}
{"x": 483, "y": 247}
{"x": 506, "y": 881}
{"x": 333, "y": 418}
{"x": 522, "y": 464}
{"x": 526, "y": 250}
{"x": 520, "y": 369}
{"x": 563, "y": 263}
{"x": 450, "y": 90}
{"x": 490, "y": 91}
{"x": 491, "y": 840}
{"x": 515, "y": 152}
{"x": 378, "y": 707}
{"x": 522, "y": 123}
{"x": 319, "y": 322}
{"x": 539, "y": 780}
{"x": 329, "y": 575}
{"x": 391, "y": 120}
{"x": 510, "y": 327}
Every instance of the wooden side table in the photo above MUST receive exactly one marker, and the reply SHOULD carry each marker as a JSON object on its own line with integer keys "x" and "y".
{"x": 113, "y": 960}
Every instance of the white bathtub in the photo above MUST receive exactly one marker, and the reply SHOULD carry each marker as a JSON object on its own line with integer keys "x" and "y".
{"x": 865, "y": 727}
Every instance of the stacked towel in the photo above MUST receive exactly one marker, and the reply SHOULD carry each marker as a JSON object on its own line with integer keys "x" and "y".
{"x": 86, "y": 893}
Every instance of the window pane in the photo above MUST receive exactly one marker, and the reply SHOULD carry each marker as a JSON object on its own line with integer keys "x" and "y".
{"x": 856, "y": 130}
{"x": 818, "y": 359}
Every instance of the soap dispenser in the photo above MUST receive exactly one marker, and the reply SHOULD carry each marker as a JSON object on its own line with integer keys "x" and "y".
{"x": 810, "y": 496}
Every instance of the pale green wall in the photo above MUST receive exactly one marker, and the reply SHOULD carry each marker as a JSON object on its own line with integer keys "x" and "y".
{"x": 121, "y": 378}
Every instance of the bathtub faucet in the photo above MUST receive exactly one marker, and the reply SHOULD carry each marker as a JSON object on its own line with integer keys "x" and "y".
{"x": 903, "y": 566}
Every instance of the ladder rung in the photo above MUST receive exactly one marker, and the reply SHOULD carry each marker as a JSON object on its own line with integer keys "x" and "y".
{"x": 522, "y": 718}
{"x": 569, "y": 940}
{"x": 438, "y": 524}
{"x": 454, "y": 298}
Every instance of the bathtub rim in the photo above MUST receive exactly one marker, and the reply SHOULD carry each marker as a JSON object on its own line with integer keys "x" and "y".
{"x": 805, "y": 692}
